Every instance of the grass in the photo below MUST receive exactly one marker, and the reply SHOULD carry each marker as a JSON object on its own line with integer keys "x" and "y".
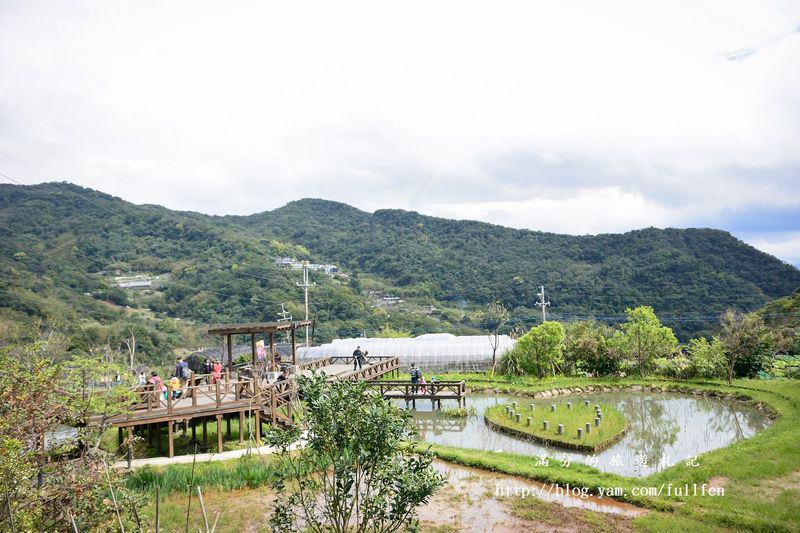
{"x": 246, "y": 472}
{"x": 458, "y": 412}
{"x": 611, "y": 428}
{"x": 761, "y": 473}
{"x": 241, "y": 510}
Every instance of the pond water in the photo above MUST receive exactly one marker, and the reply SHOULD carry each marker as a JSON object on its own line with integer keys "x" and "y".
{"x": 663, "y": 429}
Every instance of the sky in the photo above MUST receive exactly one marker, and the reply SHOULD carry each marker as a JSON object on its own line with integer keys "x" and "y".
{"x": 572, "y": 117}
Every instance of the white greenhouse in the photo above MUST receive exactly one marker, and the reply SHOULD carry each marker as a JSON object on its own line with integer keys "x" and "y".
{"x": 433, "y": 352}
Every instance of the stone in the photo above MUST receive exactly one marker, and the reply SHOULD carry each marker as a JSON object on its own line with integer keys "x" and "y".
{"x": 518, "y": 416}
{"x": 597, "y": 422}
{"x": 552, "y": 408}
{"x": 561, "y": 429}
{"x": 580, "y": 433}
{"x": 569, "y": 405}
{"x": 530, "y": 407}
{"x": 588, "y": 428}
{"x": 507, "y": 409}
{"x": 545, "y": 425}
{"x": 514, "y": 405}
{"x": 529, "y": 421}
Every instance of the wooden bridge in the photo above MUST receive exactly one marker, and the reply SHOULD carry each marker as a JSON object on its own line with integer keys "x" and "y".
{"x": 251, "y": 392}
{"x": 435, "y": 391}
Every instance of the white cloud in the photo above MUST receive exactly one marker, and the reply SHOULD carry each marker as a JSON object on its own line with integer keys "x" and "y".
{"x": 624, "y": 114}
{"x": 785, "y": 245}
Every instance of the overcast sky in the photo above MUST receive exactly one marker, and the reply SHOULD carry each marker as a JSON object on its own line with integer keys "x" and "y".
{"x": 572, "y": 117}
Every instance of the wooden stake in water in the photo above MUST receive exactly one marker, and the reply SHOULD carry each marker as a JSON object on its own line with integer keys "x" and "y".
{"x": 580, "y": 433}
{"x": 561, "y": 429}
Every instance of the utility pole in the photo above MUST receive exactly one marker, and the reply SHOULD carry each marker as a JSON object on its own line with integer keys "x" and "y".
{"x": 284, "y": 314}
{"x": 305, "y": 285}
{"x": 544, "y": 305}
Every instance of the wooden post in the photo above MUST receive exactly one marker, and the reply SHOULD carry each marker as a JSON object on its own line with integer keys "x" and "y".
{"x": 253, "y": 347}
{"x": 258, "y": 427}
{"x": 294, "y": 347}
{"x": 219, "y": 433}
{"x": 205, "y": 433}
{"x": 230, "y": 353}
{"x": 158, "y": 437}
{"x": 119, "y": 436}
{"x": 241, "y": 427}
{"x": 130, "y": 445}
{"x": 228, "y": 422}
{"x": 273, "y": 364}
{"x": 194, "y": 431}
{"x": 169, "y": 438}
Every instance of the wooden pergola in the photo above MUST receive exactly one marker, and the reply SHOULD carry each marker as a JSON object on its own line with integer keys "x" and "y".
{"x": 259, "y": 328}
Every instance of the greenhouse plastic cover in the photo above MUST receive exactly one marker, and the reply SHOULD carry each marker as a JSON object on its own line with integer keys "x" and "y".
{"x": 435, "y": 351}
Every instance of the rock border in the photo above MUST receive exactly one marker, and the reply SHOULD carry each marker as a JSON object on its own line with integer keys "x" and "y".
{"x": 599, "y": 389}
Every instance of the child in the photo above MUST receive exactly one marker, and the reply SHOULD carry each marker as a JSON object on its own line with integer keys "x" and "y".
{"x": 422, "y": 382}
{"x": 216, "y": 372}
{"x": 158, "y": 384}
{"x": 175, "y": 386}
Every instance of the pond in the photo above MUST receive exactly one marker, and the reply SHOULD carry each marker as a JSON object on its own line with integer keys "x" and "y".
{"x": 663, "y": 429}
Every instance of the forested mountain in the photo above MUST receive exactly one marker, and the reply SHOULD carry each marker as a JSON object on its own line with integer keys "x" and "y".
{"x": 689, "y": 275}
{"x": 60, "y": 244}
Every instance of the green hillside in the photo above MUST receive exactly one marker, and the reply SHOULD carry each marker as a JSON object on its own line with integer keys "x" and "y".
{"x": 688, "y": 275}
{"x": 60, "y": 245}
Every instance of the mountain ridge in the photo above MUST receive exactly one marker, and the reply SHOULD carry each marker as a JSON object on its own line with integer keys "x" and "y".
{"x": 219, "y": 266}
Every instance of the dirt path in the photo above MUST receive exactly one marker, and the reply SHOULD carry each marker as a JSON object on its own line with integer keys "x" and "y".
{"x": 475, "y": 500}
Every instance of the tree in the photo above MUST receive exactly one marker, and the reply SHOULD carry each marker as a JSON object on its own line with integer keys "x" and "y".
{"x": 642, "y": 338}
{"x": 388, "y": 332}
{"x": 45, "y": 487}
{"x": 747, "y": 344}
{"x": 352, "y": 475}
{"x": 495, "y": 317}
{"x": 537, "y": 352}
{"x": 587, "y": 348}
{"x": 707, "y": 357}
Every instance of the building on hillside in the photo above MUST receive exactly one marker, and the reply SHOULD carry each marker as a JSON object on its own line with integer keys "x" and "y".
{"x": 433, "y": 352}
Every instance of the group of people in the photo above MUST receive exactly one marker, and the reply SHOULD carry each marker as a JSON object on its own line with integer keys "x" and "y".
{"x": 418, "y": 380}
{"x": 182, "y": 377}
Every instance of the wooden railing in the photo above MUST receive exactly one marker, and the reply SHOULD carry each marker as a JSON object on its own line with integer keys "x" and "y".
{"x": 409, "y": 390}
{"x": 384, "y": 365}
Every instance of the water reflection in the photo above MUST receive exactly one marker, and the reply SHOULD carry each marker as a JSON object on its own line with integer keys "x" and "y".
{"x": 663, "y": 429}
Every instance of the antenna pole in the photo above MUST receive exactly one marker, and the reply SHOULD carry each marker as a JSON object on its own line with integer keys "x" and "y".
{"x": 305, "y": 285}
{"x": 543, "y": 304}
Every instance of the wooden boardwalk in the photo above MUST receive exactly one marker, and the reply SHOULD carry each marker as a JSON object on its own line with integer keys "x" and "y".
{"x": 250, "y": 396}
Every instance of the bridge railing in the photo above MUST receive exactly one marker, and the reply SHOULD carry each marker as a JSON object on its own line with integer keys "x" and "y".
{"x": 407, "y": 389}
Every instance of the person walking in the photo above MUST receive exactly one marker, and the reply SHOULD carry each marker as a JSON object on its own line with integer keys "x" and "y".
{"x": 416, "y": 373}
{"x": 208, "y": 367}
{"x": 159, "y": 389}
{"x": 357, "y": 357}
{"x": 216, "y": 372}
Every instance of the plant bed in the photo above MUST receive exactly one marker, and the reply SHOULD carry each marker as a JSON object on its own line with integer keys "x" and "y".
{"x": 612, "y": 427}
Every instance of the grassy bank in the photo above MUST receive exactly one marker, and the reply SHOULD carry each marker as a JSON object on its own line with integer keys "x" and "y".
{"x": 760, "y": 475}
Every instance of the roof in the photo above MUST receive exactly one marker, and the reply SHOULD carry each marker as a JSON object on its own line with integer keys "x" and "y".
{"x": 431, "y": 346}
{"x": 256, "y": 327}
